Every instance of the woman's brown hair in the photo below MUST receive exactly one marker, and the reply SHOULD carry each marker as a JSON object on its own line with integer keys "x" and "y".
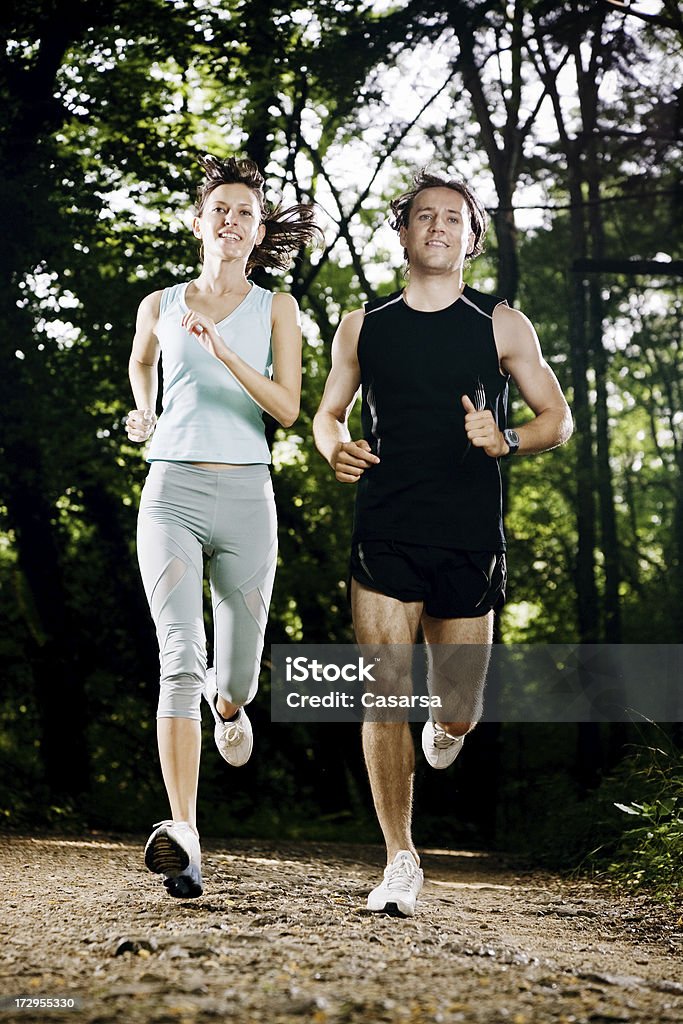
{"x": 287, "y": 229}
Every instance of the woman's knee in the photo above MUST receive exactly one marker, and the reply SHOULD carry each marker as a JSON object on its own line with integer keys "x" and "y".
{"x": 183, "y": 668}
{"x": 239, "y": 685}
{"x": 180, "y": 697}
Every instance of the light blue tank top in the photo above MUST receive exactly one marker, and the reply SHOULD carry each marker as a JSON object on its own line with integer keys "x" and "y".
{"x": 207, "y": 415}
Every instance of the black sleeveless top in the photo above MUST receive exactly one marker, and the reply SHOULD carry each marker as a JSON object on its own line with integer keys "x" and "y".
{"x": 430, "y": 487}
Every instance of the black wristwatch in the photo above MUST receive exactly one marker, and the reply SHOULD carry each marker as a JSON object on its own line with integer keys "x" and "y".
{"x": 511, "y": 438}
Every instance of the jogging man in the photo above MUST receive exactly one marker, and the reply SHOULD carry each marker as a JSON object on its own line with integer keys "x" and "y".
{"x": 428, "y": 549}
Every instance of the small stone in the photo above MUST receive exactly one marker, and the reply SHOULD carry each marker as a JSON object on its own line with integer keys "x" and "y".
{"x": 667, "y": 986}
{"x": 619, "y": 980}
{"x": 134, "y": 945}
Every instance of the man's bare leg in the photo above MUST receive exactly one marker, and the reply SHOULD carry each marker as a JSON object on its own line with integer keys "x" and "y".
{"x": 388, "y": 746}
{"x": 462, "y": 684}
{"x": 390, "y": 760}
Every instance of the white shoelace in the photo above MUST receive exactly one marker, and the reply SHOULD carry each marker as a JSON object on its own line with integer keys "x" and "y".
{"x": 442, "y": 740}
{"x": 398, "y": 876}
{"x": 177, "y": 824}
{"x": 233, "y": 731}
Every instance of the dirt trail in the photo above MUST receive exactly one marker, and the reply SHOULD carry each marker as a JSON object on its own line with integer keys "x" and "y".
{"x": 281, "y": 935}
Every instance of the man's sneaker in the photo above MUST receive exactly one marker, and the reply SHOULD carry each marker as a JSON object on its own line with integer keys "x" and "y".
{"x": 398, "y": 892}
{"x": 438, "y": 747}
{"x": 173, "y": 850}
{"x": 234, "y": 737}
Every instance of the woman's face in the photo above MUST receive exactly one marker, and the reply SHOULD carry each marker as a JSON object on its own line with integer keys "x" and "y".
{"x": 230, "y": 223}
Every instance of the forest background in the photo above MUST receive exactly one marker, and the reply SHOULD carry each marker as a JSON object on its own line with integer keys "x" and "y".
{"x": 565, "y": 117}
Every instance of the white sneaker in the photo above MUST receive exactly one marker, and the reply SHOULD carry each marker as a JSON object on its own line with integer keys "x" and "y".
{"x": 438, "y": 746}
{"x": 173, "y": 850}
{"x": 234, "y": 739}
{"x": 398, "y": 893}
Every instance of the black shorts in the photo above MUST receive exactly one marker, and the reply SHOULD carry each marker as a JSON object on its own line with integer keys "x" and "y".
{"x": 452, "y": 584}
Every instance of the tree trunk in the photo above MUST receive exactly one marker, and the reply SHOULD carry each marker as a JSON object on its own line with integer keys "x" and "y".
{"x": 586, "y": 589}
{"x": 588, "y": 83}
{"x": 608, "y": 523}
{"x": 26, "y": 213}
{"x": 508, "y": 263}
{"x": 677, "y": 568}
{"x": 54, "y": 657}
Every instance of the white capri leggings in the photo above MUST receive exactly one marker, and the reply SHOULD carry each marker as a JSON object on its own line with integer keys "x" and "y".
{"x": 229, "y": 516}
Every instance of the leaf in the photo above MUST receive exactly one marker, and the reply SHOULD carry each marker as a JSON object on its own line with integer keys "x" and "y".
{"x": 667, "y": 805}
{"x": 628, "y": 809}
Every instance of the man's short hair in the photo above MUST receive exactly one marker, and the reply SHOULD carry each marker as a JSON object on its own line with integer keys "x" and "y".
{"x": 479, "y": 220}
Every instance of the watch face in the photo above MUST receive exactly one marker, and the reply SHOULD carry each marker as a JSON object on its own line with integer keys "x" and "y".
{"x": 512, "y": 437}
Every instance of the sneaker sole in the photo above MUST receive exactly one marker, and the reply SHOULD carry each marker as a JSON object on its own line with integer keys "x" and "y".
{"x": 165, "y": 857}
{"x": 234, "y": 764}
{"x": 187, "y": 885}
{"x": 392, "y": 910}
{"x": 439, "y": 767}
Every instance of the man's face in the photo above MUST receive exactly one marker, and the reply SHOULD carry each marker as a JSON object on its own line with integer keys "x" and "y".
{"x": 439, "y": 235}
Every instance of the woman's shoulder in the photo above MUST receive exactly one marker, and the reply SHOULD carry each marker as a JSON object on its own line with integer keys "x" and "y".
{"x": 149, "y": 305}
{"x": 275, "y": 304}
{"x": 285, "y": 310}
{"x": 283, "y": 301}
{"x": 158, "y": 302}
{"x": 171, "y": 295}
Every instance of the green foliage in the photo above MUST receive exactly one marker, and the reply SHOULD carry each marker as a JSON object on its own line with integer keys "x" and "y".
{"x": 625, "y": 826}
{"x": 649, "y": 850}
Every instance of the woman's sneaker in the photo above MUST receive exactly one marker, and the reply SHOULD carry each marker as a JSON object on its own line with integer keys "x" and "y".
{"x": 398, "y": 893}
{"x": 440, "y": 748}
{"x": 234, "y": 737}
{"x": 173, "y": 850}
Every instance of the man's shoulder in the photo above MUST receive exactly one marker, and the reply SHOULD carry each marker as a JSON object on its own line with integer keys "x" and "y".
{"x": 384, "y": 302}
{"x": 483, "y": 302}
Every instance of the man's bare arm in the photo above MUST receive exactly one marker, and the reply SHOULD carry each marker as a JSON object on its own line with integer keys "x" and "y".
{"x": 520, "y": 356}
{"x": 349, "y": 459}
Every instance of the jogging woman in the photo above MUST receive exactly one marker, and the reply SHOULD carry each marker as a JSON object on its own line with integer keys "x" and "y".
{"x": 230, "y": 350}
